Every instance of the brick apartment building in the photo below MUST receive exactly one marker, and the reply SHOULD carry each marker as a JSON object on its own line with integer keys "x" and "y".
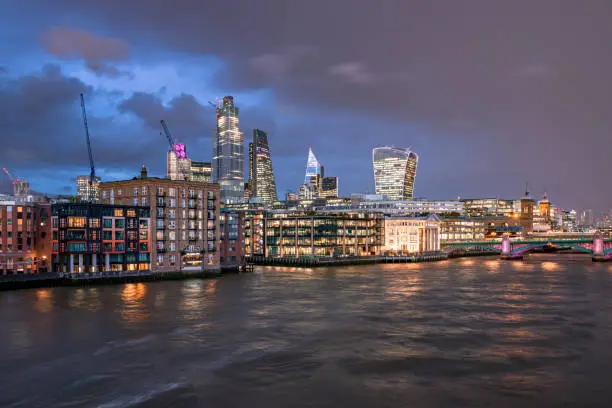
{"x": 25, "y": 236}
{"x": 184, "y": 219}
{"x": 91, "y": 237}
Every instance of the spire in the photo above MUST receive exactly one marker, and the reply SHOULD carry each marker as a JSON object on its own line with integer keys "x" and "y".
{"x": 313, "y": 168}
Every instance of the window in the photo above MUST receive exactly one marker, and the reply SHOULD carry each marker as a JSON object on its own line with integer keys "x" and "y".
{"x": 210, "y": 195}
{"x": 172, "y": 258}
{"x": 172, "y": 192}
{"x": 160, "y": 224}
{"x": 173, "y": 246}
{"x": 118, "y": 235}
{"x": 144, "y": 190}
{"x": 135, "y": 191}
{"x": 104, "y": 194}
{"x": 172, "y": 202}
{"x": 143, "y": 235}
{"x": 120, "y": 247}
{"x": 119, "y": 192}
{"x": 108, "y": 222}
{"x": 172, "y": 214}
{"x": 118, "y": 212}
{"x": 160, "y": 191}
{"x": 183, "y": 203}
{"x": 76, "y": 222}
{"x": 94, "y": 223}
{"x": 172, "y": 235}
{"x": 135, "y": 201}
{"x": 108, "y": 236}
{"x": 159, "y": 235}
{"x": 160, "y": 259}
{"x": 120, "y": 223}
{"x": 144, "y": 201}
{"x": 131, "y": 213}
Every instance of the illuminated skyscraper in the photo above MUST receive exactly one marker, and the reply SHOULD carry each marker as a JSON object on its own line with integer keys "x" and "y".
{"x": 312, "y": 179}
{"x": 228, "y": 156}
{"x": 394, "y": 172}
{"x": 178, "y": 165}
{"x": 261, "y": 175}
{"x": 200, "y": 171}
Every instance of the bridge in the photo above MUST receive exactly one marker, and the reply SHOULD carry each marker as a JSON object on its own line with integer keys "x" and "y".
{"x": 600, "y": 248}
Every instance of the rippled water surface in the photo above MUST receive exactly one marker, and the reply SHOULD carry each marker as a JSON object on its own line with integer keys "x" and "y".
{"x": 462, "y": 333}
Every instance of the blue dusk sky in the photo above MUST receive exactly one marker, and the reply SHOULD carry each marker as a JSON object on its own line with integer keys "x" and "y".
{"x": 491, "y": 94}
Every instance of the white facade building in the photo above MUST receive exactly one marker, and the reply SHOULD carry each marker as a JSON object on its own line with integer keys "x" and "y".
{"x": 412, "y": 235}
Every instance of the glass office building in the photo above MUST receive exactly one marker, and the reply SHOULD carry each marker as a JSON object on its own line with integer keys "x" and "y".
{"x": 261, "y": 175}
{"x": 228, "y": 156}
{"x": 394, "y": 172}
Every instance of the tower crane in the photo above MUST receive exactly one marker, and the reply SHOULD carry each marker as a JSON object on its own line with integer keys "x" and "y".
{"x": 181, "y": 157}
{"x": 8, "y": 173}
{"x": 92, "y": 174}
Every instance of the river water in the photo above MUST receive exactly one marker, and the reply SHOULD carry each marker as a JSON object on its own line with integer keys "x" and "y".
{"x": 474, "y": 332}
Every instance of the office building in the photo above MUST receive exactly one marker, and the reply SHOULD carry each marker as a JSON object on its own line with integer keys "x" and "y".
{"x": 87, "y": 191}
{"x": 25, "y": 236}
{"x": 261, "y": 174}
{"x": 329, "y": 187}
{"x": 394, "y": 172}
{"x": 462, "y": 229}
{"x": 409, "y": 235}
{"x": 483, "y": 207}
{"x": 178, "y": 165}
{"x": 297, "y": 234}
{"x": 90, "y": 237}
{"x": 228, "y": 155}
{"x": 185, "y": 219}
{"x": 201, "y": 171}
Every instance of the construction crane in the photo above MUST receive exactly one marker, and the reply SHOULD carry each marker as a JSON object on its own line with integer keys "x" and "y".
{"x": 181, "y": 156}
{"x": 92, "y": 174}
{"x": 8, "y": 173}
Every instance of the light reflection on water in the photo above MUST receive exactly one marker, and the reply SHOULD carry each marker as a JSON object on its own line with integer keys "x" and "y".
{"x": 133, "y": 308}
{"x": 477, "y": 332}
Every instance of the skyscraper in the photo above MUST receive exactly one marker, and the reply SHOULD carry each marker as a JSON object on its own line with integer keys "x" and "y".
{"x": 200, "y": 171}
{"x": 177, "y": 163}
{"x": 394, "y": 172}
{"x": 228, "y": 156}
{"x": 329, "y": 187}
{"x": 312, "y": 178}
{"x": 261, "y": 175}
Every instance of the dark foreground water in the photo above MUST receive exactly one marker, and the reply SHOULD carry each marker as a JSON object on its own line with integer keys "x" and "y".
{"x": 460, "y": 333}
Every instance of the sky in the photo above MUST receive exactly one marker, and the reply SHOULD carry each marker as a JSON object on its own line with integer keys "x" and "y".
{"x": 492, "y": 94}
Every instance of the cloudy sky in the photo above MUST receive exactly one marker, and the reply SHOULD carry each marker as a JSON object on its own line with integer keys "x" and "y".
{"x": 491, "y": 94}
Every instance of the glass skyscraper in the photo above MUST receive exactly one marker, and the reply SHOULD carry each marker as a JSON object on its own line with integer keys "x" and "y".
{"x": 261, "y": 175}
{"x": 228, "y": 156}
{"x": 394, "y": 172}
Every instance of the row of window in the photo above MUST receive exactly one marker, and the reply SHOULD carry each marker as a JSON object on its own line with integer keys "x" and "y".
{"x": 172, "y": 192}
{"x": 95, "y": 247}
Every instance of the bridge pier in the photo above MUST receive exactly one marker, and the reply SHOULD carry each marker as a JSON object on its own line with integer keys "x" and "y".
{"x": 506, "y": 253}
{"x": 598, "y": 249}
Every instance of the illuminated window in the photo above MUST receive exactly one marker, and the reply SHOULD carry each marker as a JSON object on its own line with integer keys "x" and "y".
{"x": 118, "y": 212}
{"x": 131, "y": 213}
{"x": 76, "y": 222}
{"x": 94, "y": 223}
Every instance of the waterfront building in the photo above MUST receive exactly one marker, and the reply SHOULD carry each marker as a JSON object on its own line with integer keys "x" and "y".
{"x": 185, "y": 218}
{"x": 228, "y": 156}
{"x": 261, "y": 174}
{"x": 201, "y": 171}
{"x": 462, "y": 229}
{"x": 231, "y": 245}
{"x": 298, "y": 234}
{"x": 86, "y": 191}
{"x": 90, "y": 237}
{"x": 409, "y": 235}
{"x": 378, "y": 204}
{"x": 178, "y": 165}
{"x": 394, "y": 172}
{"x": 329, "y": 187}
{"x": 25, "y": 236}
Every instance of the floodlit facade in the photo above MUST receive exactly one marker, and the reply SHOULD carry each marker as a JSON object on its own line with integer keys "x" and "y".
{"x": 261, "y": 174}
{"x": 482, "y": 207}
{"x": 405, "y": 235}
{"x": 394, "y": 172}
{"x": 228, "y": 155}
{"x": 86, "y": 191}
{"x": 201, "y": 171}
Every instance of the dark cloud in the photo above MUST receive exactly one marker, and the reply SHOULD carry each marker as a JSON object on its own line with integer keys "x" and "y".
{"x": 97, "y": 52}
{"x": 42, "y": 124}
{"x": 185, "y": 117}
{"x": 492, "y": 94}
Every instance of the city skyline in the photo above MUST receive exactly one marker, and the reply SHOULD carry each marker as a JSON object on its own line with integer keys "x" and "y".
{"x": 484, "y": 119}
